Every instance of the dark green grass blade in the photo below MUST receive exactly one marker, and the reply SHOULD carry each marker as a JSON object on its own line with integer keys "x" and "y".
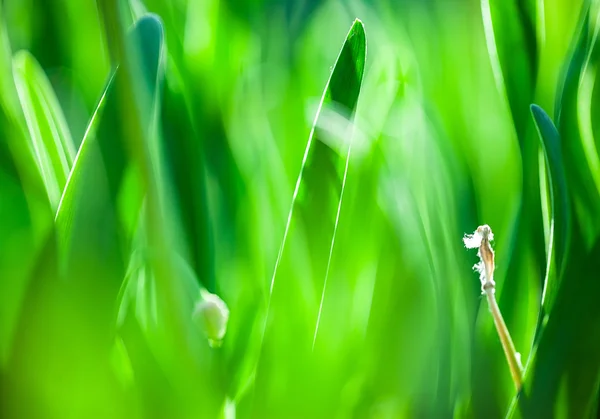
{"x": 560, "y": 204}
{"x": 311, "y": 222}
{"x": 560, "y": 233}
{"x": 564, "y": 373}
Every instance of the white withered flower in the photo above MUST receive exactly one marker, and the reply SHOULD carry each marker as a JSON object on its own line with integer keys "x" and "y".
{"x": 480, "y": 239}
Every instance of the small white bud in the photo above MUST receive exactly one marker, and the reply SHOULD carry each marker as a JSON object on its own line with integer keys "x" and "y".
{"x": 211, "y": 314}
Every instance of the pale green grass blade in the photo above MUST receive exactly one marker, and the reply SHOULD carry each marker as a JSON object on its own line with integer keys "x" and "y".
{"x": 46, "y": 124}
{"x": 25, "y": 214}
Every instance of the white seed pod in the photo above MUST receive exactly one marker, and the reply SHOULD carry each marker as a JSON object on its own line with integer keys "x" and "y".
{"x": 211, "y": 314}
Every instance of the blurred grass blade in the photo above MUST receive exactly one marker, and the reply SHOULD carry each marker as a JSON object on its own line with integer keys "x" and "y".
{"x": 70, "y": 304}
{"x": 560, "y": 206}
{"x": 97, "y": 173}
{"x": 48, "y": 130}
{"x": 25, "y": 213}
{"x": 510, "y": 29}
{"x": 312, "y": 220}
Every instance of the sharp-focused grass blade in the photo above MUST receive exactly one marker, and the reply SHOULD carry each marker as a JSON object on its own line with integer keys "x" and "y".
{"x": 312, "y": 223}
{"x": 560, "y": 203}
{"x": 560, "y": 228}
{"x": 48, "y": 130}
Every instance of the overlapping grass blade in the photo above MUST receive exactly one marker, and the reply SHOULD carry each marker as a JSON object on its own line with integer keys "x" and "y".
{"x": 48, "y": 130}
{"x": 70, "y": 302}
{"x": 585, "y": 193}
{"x": 568, "y": 333}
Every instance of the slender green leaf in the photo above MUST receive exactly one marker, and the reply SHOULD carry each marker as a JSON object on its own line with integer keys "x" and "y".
{"x": 512, "y": 30}
{"x": 560, "y": 204}
{"x": 312, "y": 223}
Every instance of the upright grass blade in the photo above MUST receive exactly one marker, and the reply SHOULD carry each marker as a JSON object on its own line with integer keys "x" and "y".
{"x": 48, "y": 130}
{"x": 510, "y": 28}
{"x": 312, "y": 219}
{"x": 560, "y": 204}
{"x": 560, "y": 233}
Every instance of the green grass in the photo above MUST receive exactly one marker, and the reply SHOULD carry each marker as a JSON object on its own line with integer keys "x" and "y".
{"x": 315, "y": 165}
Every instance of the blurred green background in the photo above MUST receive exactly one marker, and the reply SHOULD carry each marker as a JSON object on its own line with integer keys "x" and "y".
{"x": 150, "y": 151}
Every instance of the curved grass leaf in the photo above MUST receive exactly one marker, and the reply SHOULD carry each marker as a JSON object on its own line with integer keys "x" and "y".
{"x": 560, "y": 206}
{"x": 510, "y": 28}
{"x": 48, "y": 130}
{"x": 312, "y": 223}
{"x": 585, "y": 194}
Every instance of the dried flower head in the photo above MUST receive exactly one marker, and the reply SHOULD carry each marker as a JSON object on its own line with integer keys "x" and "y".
{"x": 480, "y": 239}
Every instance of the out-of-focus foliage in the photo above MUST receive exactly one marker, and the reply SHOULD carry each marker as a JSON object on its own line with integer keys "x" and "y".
{"x": 170, "y": 170}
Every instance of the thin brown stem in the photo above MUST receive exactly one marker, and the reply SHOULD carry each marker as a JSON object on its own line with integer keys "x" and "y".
{"x": 481, "y": 239}
{"x": 507, "y": 343}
